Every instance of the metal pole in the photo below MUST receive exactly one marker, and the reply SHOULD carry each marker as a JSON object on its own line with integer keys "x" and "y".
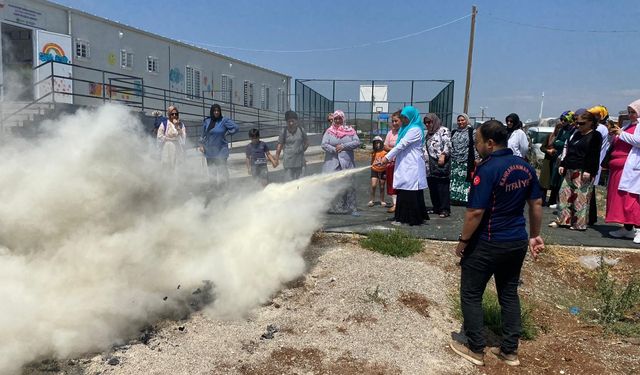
{"x": 53, "y": 86}
{"x": 412, "y": 81}
{"x": 204, "y": 113}
{"x": 164, "y": 99}
{"x": 141, "y": 93}
{"x": 474, "y": 11}
{"x": 373, "y": 104}
{"x": 104, "y": 88}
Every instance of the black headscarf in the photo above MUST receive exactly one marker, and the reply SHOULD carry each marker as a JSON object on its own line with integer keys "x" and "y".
{"x": 517, "y": 124}
{"x": 213, "y": 107}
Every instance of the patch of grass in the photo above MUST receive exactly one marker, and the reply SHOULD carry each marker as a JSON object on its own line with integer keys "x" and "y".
{"x": 493, "y": 319}
{"x": 396, "y": 243}
{"x": 615, "y": 300}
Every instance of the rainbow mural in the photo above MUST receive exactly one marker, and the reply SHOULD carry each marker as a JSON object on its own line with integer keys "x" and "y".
{"x": 53, "y": 52}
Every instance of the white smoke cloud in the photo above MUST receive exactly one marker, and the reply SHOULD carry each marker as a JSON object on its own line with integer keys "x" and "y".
{"x": 93, "y": 236}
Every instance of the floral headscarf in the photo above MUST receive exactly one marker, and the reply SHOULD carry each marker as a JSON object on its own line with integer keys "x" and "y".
{"x": 339, "y": 128}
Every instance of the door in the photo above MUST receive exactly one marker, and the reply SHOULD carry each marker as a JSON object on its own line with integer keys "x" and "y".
{"x": 17, "y": 63}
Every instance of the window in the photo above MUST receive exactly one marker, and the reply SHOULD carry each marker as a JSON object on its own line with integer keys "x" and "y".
{"x": 192, "y": 82}
{"x": 152, "y": 64}
{"x": 126, "y": 59}
{"x": 227, "y": 88}
{"x": 248, "y": 94}
{"x": 282, "y": 100}
{"x": 264, "y": 97}
{"x": 82, "y": 49}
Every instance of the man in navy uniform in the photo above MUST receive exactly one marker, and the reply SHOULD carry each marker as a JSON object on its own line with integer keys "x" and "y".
{"x": 494, "y": 241}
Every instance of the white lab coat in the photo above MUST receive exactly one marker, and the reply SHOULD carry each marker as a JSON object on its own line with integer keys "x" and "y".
{"x": 604, "y": 132}
{"x": 630, "y": 180}
{"x": 410, "y": 172}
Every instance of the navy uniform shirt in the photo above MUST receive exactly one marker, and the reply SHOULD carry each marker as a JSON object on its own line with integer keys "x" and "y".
{"x": 502, "y": 184}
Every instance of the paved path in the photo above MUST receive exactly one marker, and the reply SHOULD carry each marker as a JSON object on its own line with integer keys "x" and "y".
{"x": 376, "y": 218}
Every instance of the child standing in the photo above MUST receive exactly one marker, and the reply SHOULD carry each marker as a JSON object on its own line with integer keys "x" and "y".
{"x": 257, "y": 153}
{"x": 378, "y": 173}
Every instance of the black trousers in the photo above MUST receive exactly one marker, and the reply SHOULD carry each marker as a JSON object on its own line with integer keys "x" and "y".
{"x": 503, "y": 260}
{"x": 439, "y": 193}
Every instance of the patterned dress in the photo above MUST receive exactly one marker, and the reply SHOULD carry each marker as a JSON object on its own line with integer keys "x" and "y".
{"x": 459, "y": 160}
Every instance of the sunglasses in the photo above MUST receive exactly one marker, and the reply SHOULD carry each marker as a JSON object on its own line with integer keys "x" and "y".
{"x": 580, "y": 123}
{"x": 174, "y": 114}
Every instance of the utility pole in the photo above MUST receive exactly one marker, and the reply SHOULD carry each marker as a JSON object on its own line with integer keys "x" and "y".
{"x": 474, "y": 11}
{"x": 482, "y": 113}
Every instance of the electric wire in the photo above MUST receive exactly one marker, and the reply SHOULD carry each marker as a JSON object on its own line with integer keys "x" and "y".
{"x": 553, "y": 28}
{"x": 368, "y": 44}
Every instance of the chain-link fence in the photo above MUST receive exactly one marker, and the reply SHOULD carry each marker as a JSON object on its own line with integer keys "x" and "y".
{"x": 368, "y": 104}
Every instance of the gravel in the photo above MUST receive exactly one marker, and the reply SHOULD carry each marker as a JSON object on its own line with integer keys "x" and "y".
{"x": 351, "y": 313}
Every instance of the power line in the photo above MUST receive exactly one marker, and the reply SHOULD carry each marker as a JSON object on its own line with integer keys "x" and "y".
{"x": 552, "y": 28}
{"x": 334, "y": 48}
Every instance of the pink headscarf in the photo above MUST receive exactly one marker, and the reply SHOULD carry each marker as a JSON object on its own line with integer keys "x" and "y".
{"x": 636, "y": 106}
{"x": 339, "y": 129}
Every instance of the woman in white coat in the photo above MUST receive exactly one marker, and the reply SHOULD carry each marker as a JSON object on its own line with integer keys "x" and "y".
{"x": 623, "y": 189}
{"x": 410, "y": 174}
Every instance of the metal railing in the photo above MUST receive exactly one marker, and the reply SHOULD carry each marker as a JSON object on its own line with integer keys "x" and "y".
{"x": 93, "y": 87}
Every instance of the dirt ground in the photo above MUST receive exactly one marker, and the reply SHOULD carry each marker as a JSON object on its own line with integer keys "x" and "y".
{"x": 359, "y": 312}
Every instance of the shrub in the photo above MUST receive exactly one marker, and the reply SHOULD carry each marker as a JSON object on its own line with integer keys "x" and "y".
{"x": 396, "y": 243}
{"x": 614, "y": 300}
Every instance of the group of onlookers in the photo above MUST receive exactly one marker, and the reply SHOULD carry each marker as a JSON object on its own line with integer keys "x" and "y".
{"x": 171, "y": 135}
{"x": 419, "y": 153}
{"x": 583, "y": 145}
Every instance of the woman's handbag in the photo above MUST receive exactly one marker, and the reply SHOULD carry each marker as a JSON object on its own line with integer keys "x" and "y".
{"x": 436, "y": 170}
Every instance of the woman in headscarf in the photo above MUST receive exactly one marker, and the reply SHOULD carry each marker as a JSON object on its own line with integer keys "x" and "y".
{"x": 623, "y": 189}
{"x": 338, "y": 143}
{"x": 566, "y": 119}
{"x": 518, "y": 141}
{"x": 172, "y": 136}
{"x": 463, "y": 157}
{"x": 410, "y": 175}
{"x": 579, "y": 166}
{"x": 213, "y": 144}
{"x": 438, "y": 164}
{"x": 550, "y": 156}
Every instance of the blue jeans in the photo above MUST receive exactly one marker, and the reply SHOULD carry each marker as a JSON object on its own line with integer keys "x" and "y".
{"x": 503, "y": 260}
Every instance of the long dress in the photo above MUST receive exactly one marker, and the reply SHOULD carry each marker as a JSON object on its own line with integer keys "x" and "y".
{"x": 336, "y": 161}
{"x": 172, "y": 139}
{"x": 459, "y": 161}
{"x": 622, "y": 207}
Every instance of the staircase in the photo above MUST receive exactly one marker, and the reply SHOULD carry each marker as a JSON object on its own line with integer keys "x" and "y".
{"x": 22, "y": 118}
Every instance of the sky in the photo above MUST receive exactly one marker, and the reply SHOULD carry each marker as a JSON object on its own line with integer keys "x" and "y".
{"x": 567, "y": 49}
